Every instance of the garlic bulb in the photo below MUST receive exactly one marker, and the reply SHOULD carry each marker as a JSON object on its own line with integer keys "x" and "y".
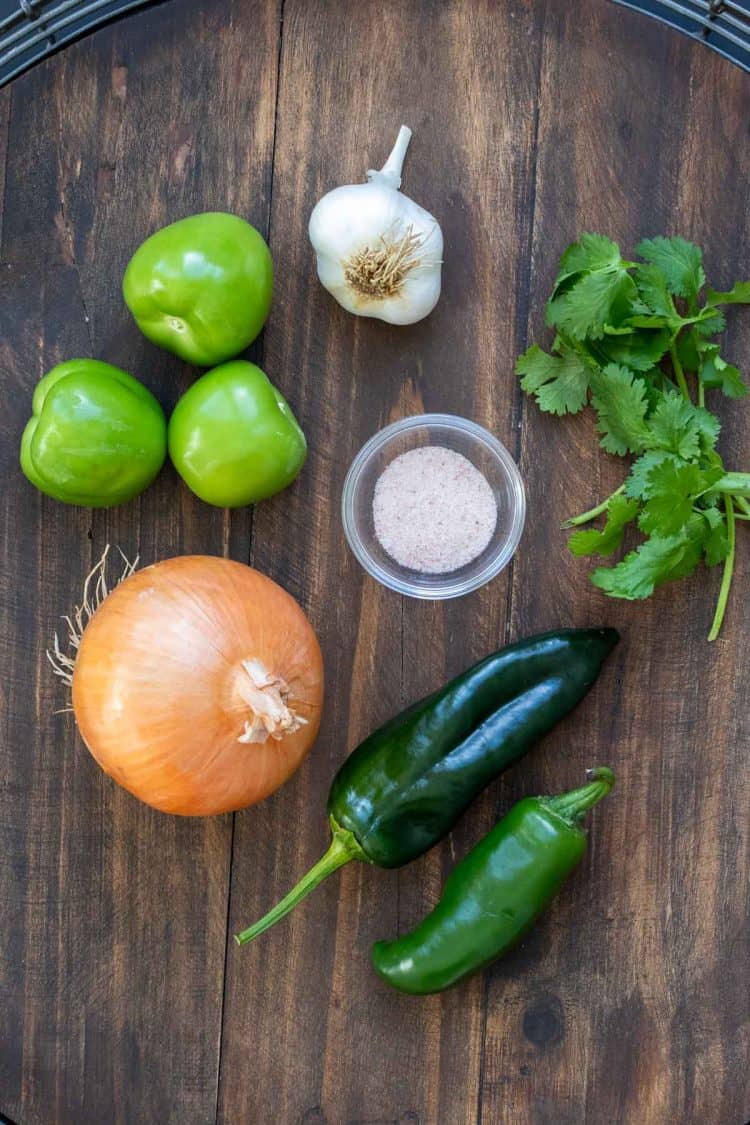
{"x": 379, "y": 253}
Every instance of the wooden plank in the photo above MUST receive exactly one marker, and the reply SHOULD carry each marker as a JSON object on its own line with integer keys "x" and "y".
{"x": 328, "y": 1041}
{"x": 627, "y": 1003}
{"x": 113, "y": 954}
{"x": 5, "y": 97}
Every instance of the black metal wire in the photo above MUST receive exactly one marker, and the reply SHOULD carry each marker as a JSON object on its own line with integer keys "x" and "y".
{"x": 722, "y": 25}
{"x": 32, "y": 29}
{"x": 64, "y": 14}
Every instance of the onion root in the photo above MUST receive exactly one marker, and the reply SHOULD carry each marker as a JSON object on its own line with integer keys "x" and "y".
{"x": 95, "y": 590}
{"x": 267, "y": 696}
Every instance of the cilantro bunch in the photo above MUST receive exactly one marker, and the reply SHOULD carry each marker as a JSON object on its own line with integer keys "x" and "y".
{"x": 631, "y": 339}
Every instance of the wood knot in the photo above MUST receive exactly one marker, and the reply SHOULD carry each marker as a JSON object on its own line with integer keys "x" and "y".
{"x": 120, "y": 82}
{"x": 544, "y": 1022}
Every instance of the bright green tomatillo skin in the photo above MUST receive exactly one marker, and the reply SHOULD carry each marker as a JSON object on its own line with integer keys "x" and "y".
{"x": 201, "y": 287}
{"x": 233, "y": 438}
{"x": 496, "y": 893}
{"x": 96, "y": 436}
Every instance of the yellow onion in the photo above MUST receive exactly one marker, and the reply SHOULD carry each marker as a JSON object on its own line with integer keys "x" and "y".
{"x": 198, "y": 685}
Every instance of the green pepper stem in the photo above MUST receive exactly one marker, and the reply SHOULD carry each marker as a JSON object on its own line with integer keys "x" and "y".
{"x": 574, "y": 805}
{"x": 344, "y": 847}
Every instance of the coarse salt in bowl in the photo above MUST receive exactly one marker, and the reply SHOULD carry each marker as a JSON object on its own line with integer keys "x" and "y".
{"x": 437, "y": 523}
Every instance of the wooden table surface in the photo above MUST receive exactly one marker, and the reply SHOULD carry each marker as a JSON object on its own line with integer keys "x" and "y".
{"x": 123, "y": 998}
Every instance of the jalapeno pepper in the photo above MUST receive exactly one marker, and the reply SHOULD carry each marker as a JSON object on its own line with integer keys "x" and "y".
{"x": 405, "y": 786}
{"x": 495, "y": 894}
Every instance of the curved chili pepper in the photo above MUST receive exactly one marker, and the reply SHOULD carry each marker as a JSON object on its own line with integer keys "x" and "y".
{"x": 495, "y": 894}
{"x": 405, "y": 786}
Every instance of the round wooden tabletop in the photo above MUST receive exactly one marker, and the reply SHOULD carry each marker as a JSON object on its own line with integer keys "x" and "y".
{"x": 123, "y": 998}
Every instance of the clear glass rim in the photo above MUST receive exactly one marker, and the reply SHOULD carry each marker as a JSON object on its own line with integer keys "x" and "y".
{"x": 449, "y": 588}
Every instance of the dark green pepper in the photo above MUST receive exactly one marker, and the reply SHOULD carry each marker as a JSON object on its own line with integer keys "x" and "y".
{"x": 496, "y": 893}
{"x": 406, "y": 785}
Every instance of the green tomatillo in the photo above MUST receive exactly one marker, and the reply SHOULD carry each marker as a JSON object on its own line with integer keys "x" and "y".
{"x": 233, "y": 438}
{"x": 96, "y": 436}
{"x": 201, "y": 287}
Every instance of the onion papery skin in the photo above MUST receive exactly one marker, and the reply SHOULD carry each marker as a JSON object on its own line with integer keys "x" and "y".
{"x": 160, "y": 693}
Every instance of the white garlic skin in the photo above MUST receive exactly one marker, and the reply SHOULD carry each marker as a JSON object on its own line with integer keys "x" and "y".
{"x": 359, "y": 217}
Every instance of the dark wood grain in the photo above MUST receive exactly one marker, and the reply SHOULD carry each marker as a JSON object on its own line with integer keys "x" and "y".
{"x": 346, "y": 378}
{"x": 612, "y": 1011}
{"x": 122, "y": 995}
{"x": 111, "y": 986}
{"x": 5, "y": 96}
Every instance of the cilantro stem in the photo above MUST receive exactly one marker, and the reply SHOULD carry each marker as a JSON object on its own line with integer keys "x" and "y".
{"x": 726, "y": 578}
{"x": 701, "y": 393}
{"x": 737, "y": 485}
{"x": 592, "y": 513}
{"x": 742, "y": 502}
{"x": 679, "y": 373}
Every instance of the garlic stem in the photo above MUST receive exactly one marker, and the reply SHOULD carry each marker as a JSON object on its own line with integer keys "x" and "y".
{"x": 378, "y": 252}
{"x": 390, "y": 173}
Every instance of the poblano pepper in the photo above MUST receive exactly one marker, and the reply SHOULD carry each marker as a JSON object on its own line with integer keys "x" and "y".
{"x": 496, "y": 893}
{"x": 405, "y": 786}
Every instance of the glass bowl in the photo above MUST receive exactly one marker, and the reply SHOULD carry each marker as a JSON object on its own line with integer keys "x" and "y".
{"x": 485, "y": 452}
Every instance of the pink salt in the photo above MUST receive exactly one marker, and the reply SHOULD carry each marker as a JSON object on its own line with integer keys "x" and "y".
{"x": 433, "y": 510}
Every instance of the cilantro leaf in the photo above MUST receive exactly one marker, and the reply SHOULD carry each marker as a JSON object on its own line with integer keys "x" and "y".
{"x": 716, "y": 374}
{"x": 672, "y": 491}
{"x": 604, "y": 541}
{"x": 672, "y": 426}
{"x": 679, "y": 427}
{"x": 591, "y": 252}
{"x": 626, "y": 332}
{"x": 653, "y": 291}
{"x": 659, "y": 559}
{"x": 716, "y": 543}
{"x": 595, "y": 301}
{"x": 681, "y": 263}
{"x": 739, "y": 294}
{"x": 709, "y": 428}
{"x": 687, "y": 349}
{"x": 656, "y": 387}
{"x": 640, "y": 350}
{"x": 711, "y": 325}
{"x": 637, "y": 484}
{"x": 558, "y": 382}
{"x": 641, "y": 317}
{"x": 619, "y": 398}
